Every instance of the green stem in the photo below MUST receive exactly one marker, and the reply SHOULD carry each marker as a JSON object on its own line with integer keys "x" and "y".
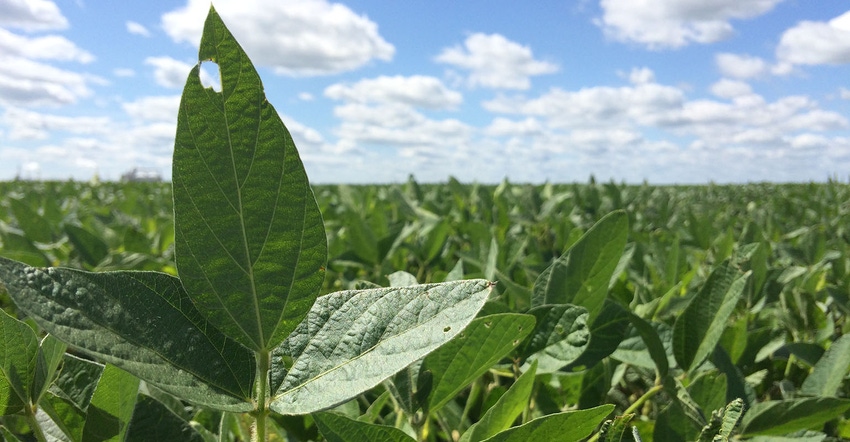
{"x": 34, "y": 426}
{"x": 636, "y": 405}
{"x": 262, "y": 398}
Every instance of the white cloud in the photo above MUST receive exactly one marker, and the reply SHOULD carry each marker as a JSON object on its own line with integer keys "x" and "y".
{"x": 504, "y": 127}
{"x": 172, "y": 73}
{"x": 726, "y": 88}
{"x": 123, "y": 72}
{"x": 31, "y": 15}
{"x": 417, "y": 90}
{"x": 741, "y": 66}
{"x": 641, "y": 76}
{"x": 495, "y": 62}
{"x": 29, "y": 125}
{"x": 50, "y": 47}
{"x": 812, "y": 43}
{"x": 844, "y": 93}
{"x": 28, "y": 82}
{"x": 159, "y": 108}
{"x": 306, "y": 96}
{"x": 137, "y": 29}
{"x": 676, "y": 23}
{"x": 302, "y": 37}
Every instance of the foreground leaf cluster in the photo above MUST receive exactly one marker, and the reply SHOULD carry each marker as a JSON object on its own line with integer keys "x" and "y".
{"x": 620, "y": 312}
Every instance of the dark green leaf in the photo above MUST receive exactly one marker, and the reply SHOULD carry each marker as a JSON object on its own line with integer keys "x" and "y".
{"x": 18, "y": 359}
{"x": 698, "y": 329}
{"x": 830, "y": 370}
{"x": 482, "y": 344}
{"x": 111, "y": 407}
{"x": 249, "y": 237}
{"x": 569, "y": 425}
{"x": 337, "y": 428}
{"x": 504, "y": 412}
{"x": 142, "y": 322}
{"x": 582, "y": 274}
{"x": 91, "y": 248}
{"x": 153, "y": 421}
{"x": 783, "y": 417}
{"x": 560, "y": 336}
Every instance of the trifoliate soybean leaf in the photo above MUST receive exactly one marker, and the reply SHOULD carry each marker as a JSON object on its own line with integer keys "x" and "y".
{"x": 782, "y": 417}
{"x": 568, "y": 425}
{"x": 108, "y": 415}
{"x": 481, "y": 345}
{"x": 606, "y": 333}
{"x": 582, "y": 274}
{"x": 250, "y": 242}
{"x": 142, "y": 322}
{"x": 504, "y": 412}
{"x": 352, "y": 340}
{"x": 698, "y": 329}
{"x": 560, "y": 336}
{"x": 338, "y": 428}
{"x": 830, "y": 370}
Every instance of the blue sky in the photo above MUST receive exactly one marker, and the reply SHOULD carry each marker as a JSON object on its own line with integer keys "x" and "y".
{"x": 667, "y": 91}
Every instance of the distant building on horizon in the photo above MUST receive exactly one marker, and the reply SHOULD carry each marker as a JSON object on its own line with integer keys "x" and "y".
{"x": 142, "y": 174}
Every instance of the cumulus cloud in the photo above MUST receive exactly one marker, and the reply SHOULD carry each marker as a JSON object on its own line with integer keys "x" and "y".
{"x": 417, "y": 90}
{"x": 813, "y": 43}
{"x": 31, "y": 15}
{"x": 741, "y": 66}
{"x": 137, "y": 29}
{"x": 29, "y": 125}
{"x": 298, "y": 38}
{"x": 158, "y": 108}
{"x": 50, "y": 47}
{"x": 726, "y": 88}
{"x": 28, "y": 82}
{"x": 662, "y": 24}
{"x": 493, "y": 61}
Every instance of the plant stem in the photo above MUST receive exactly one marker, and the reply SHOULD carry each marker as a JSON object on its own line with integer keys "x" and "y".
{"x": 636, "y": 405}
{"x": 34, "y": 426}
{"x": 262, "y": 397}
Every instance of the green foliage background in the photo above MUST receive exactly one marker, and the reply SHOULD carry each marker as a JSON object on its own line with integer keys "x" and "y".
{"x": 782, "y": 345}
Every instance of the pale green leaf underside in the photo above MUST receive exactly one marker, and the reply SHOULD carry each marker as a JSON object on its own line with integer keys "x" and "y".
{"x": 142, "y": 322}
{"x": 352, "y": 340}
{"x": 249, "y": 237}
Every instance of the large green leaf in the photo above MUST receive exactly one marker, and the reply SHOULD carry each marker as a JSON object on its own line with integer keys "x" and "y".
{"x": 560, "y": 336}
{"x": 249, "y": 237}
{"x": 338, "y": 428}
{"x": 830, "y": 370}
{"x": 582, "y": 274}
{"x": 699, "y": 328}
{"x": 569, "y": 425}
{"x": 34, "y": 225}
{"x": 486, "y": 341}
{"x": 783, "y": 417}
{"x": 504, "y": 412}
{"x": 142, "y": 322}
{"x": 352, "y": 340}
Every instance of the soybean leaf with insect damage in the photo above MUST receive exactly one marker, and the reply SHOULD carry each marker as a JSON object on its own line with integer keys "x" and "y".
{"x": 250, "y": 242}
{"x": 338, "y": 428}
{"x": 142, "y": 322}
{"x": 582, "y": 274}
{"x": 352, "y": 340}
{"x": 486, "y": 341}
{"x": 569, "y": 425}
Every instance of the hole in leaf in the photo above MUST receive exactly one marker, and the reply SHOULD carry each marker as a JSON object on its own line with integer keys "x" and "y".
{"x": 516, "y": 342}
{"x": 487, "y": 324}
{"x": 447, "y": 329}
{"x": 210, "y": 75}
